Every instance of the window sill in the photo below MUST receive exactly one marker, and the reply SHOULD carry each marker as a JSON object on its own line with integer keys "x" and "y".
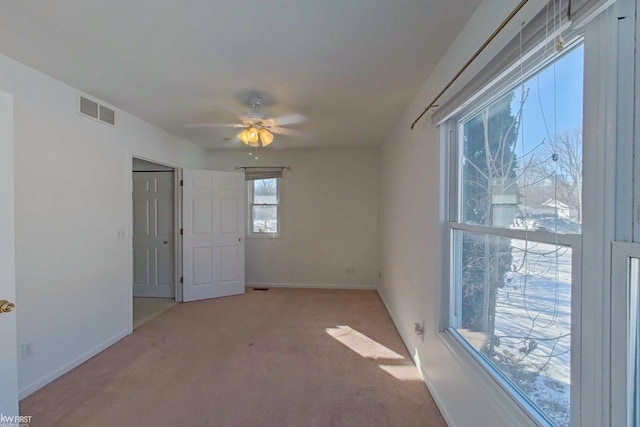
{"x": 510, "y": 408}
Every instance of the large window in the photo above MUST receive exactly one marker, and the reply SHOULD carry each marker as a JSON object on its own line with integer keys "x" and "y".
{"x": 264, "y": 207}
{"x": 515, "y": 232}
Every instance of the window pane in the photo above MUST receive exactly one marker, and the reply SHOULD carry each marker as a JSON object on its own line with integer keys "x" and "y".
{"x": 513, "y": 305}
{"x": 521, "y": 164}
{"x": 265, "y": 191}
{"x": 265, "y": 219}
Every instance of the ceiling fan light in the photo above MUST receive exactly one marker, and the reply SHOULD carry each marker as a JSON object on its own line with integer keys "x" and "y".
{"x": 244, "y": 136}
{"x": 252, "y": 134}
{"x": 253, "y": 144}
{"x": 266, "y": 137}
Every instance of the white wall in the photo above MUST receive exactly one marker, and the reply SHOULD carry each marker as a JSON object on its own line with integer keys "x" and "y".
{"x": 72, "y": 197}
{"x": 329, "y": 218}
{"x": 411, "y": 233}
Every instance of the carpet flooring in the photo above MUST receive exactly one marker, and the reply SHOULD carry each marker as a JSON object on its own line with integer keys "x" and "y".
{"x": 282, "y": 357}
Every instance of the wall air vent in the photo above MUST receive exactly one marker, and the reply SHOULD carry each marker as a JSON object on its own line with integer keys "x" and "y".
{"x": 107, "y": 115}
{"x": 90, "y": 108}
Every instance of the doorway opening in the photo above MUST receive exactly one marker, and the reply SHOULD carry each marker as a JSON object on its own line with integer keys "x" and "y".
{"x": 154, "y": 239}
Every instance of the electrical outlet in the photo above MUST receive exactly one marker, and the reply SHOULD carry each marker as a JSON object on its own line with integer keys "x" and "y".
{"x": 27, "y": 350}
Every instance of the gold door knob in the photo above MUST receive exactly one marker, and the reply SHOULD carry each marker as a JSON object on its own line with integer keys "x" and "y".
{"x": 6, "y": 306}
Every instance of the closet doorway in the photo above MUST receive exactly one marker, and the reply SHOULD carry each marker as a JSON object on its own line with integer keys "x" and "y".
{"x": 154, "y": 239}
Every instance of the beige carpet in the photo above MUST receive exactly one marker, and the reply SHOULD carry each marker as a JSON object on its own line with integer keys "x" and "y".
{"x": 283, "y": 357}
{"x": 145, "y": 309}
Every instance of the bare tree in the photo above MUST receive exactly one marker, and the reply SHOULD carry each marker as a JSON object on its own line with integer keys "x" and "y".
{"x": 265, "y": 187}
{"x": 560, "y": 164}
{"x": 490, "y": 198}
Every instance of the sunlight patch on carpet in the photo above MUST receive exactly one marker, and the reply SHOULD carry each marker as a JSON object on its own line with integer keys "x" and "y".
{"x": 362, "y": 344}
{"x": 402, "y": 372}
{"x": 395, "y": 364}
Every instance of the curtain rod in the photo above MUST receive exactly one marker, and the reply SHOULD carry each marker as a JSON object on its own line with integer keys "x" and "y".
{"x": 473, "y": 58}
{"x": 263, "y": 167}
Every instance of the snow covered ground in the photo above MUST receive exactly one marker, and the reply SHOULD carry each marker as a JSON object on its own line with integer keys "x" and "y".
{"x": 531, "y": 343}
{"x": 533, "y": 325}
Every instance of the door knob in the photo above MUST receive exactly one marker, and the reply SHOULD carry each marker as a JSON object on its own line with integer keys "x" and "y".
{"x": 165, "y": 242}
{"x": 240, "y": 239}
{"x": 6, "y": 306}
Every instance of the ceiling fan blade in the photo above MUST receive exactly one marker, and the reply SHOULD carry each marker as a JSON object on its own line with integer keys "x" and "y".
{"x": 237, "y": 113}
{"x": 230, "y": 109}
{"x": 213, "y": 125}
{"x": 233, "y": 142}
{"x": 288, "y": 119}
{"x": 288, "y": 132}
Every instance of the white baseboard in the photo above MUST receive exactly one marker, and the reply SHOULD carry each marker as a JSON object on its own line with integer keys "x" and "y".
{"x": 432, "y": 390}
{"x": 43, "y": 381}
{"x": 308, "y": 286}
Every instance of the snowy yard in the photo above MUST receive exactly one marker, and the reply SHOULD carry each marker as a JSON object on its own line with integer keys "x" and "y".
{"x": 533, "y": 325}
{"x": 532, "y": 341}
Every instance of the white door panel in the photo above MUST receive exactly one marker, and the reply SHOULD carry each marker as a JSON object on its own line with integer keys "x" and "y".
{"x": 141, "y": 273}
{"x": 9, "y": 344}
{"x": 166, "y": 262}
{"x": 229, "y": 209}
{"x": 229, "y": 264}
{"x": 153, "y": 234}
{"x": 213, "y": 242}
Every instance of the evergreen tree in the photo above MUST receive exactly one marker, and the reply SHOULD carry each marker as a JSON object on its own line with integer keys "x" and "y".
{"x": 489, "y": 172}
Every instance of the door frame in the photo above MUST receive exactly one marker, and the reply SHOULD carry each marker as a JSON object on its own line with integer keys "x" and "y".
{"x": 9, "y": 372}
{"x": 177, "y": 178}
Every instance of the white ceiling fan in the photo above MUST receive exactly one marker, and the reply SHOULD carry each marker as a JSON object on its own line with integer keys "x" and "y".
{"x": 258, "y": 129}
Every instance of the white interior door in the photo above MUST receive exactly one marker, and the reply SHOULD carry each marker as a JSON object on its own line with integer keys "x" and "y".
{"x": 213, "y": 234}
{"x": 8, "y": 338}
{"x": 153, "y": 235}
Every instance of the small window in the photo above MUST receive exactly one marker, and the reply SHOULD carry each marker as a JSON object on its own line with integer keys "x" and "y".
{"x": 264, "y": 207}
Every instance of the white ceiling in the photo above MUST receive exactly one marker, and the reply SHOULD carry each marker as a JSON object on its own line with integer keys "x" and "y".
{"x": 350, "y": 66}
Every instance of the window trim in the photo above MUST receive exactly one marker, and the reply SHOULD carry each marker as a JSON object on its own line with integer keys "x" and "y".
{"x": 599, "y": 145}
{"x": 627, "y": 231}
{"x": 621, "y": 375}
{"x": 258, "y": 235}
{"x": 534, "y": 235}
